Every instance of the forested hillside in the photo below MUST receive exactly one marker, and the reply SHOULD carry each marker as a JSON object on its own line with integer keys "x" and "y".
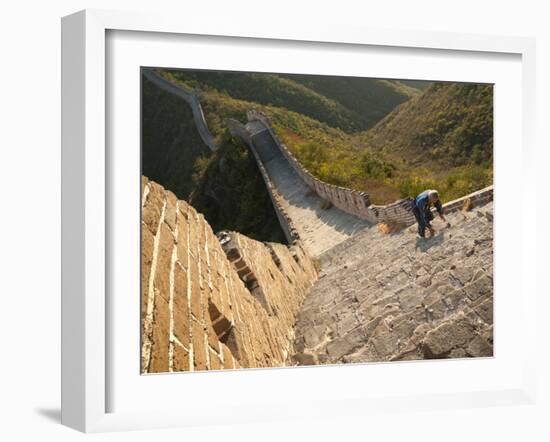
{"x": 417, "y": 84}
{"x": 369, "y": 98}
{"x": 170, "y": 143}
{"x": 330, "y": 153}
{"x": 348, "y": 103}
{"x": 225, "y": 186}
{"x": 441, "y": 138}
{"x": 450, "y": 124}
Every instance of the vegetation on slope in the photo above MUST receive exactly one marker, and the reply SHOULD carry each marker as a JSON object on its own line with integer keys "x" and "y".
{"x": 225, "y": 186}
{"x": 170, "y": 142}
{"x": 348, "y": 103}
{"x": 369, "y": 98}
{"x": 417, "y": 84}
{"x": 450, "y": 124}
{"x": 334, "y": 156}
{"x": 329, "y": 153}
{"x": 231, "y": 193}
{"x": 270, "y": 90}
{"x": 441, "y": 139}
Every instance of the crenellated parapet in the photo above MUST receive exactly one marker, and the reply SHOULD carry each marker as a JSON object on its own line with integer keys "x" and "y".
{"x": 357, "y": 202}
{"x": 239, "y": 130}
{"x": 351, "y": 201}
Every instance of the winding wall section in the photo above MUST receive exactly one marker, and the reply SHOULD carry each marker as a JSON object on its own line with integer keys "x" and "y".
{"x": 302, "y": 212}
{"x": 299, "y": 198}
{"x": 191, "y": 98}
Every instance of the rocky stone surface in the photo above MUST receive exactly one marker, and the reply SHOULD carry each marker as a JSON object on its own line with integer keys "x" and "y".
{"x": 396, "y": 297}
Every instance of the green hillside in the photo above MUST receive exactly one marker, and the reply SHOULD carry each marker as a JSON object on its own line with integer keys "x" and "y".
{"x": 329, "y": 153}
{"x": 449, "y": 125}
{"x": 440, "y": 139}
{"x": 270, "y": 90}
{"x": 170, "y": 142}
{"x": 417, "y": 84}
{"x": 347, "y": 103}
{"x": 369, "y": 98}
{"x": 226, "y": 186}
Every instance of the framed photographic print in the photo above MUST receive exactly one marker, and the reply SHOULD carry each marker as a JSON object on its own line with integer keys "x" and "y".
{"x": 255, "y": 215}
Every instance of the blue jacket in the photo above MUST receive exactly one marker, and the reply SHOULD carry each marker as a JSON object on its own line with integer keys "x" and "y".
{"x": 423, "y": 204}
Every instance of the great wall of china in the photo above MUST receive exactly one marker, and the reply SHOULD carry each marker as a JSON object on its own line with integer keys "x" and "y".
{"x": 298, "y": 196}
{"x": 226, "y": 302}
{"x": 210, "y": 303}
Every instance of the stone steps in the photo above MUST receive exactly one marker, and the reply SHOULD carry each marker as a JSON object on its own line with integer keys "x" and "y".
{"x": 320, "y": 229}
{"x": 388, "y": 297}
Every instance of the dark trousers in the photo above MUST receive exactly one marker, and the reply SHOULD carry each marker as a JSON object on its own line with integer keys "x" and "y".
{"x": 423, "y": 219}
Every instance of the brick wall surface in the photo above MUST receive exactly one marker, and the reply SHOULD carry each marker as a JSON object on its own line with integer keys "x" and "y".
{"x": 206, "y": 308}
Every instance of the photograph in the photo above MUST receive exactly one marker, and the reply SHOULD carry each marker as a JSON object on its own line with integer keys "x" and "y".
{"x": 222, "y": 223}
{"x": 297, "y": 219}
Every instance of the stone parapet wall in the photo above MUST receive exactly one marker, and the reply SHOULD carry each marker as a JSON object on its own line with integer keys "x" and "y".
{"x": 475, "y": 199}
{"x": 200, "y": 309}
{"x": 356, "y": 202}
{"x": 348, "y": 200}
{"x": 239, "y": 130}
{"x": 277, "y": 276}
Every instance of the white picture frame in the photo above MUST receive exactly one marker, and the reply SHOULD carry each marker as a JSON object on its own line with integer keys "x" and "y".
{"x": 85, "y": 310}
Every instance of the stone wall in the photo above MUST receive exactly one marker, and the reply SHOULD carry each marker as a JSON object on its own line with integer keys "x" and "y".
{"x": 205, "y": 307}
{"x": 239, "y": 130}
{"x": 348, "y": 200}
{"x": 356, "y": 202}
{"x": 192, "y": 99}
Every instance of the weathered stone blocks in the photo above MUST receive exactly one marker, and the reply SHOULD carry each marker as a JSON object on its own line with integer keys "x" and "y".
{"x": 153, "y": 207}
{"x": 160, "y": 337}
{"x": 181, "y": 359}
{"x": 448, "y": 335}
{"x": 164, "y": 262}
{"x": 201, "y": 312}
{"x": 409, "y": 302}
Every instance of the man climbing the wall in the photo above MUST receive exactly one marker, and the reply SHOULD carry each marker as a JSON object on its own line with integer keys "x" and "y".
{"x": 421, "y": 206}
